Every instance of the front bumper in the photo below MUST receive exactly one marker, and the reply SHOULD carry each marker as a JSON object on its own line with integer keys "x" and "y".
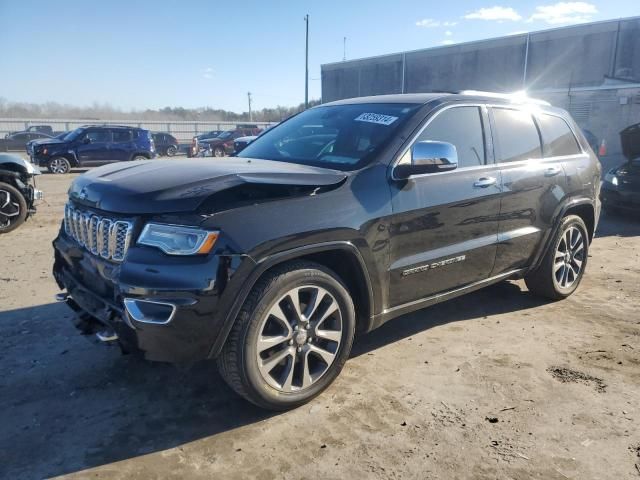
{"x": 166, "y": 307}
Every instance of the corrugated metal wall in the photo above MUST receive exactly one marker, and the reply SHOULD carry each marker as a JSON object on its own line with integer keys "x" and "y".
{"x": 550, "y": 64}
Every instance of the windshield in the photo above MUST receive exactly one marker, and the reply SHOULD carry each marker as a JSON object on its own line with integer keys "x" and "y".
{"x": 342, "y": 137}
{"x": 226, "y": 134}
{"x": 73, "y": 135}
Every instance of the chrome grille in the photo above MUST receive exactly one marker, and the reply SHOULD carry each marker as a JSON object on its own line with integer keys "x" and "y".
{"x": 101, "y": 236}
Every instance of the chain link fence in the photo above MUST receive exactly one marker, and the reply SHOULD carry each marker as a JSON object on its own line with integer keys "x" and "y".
{"x": 184, "y": 131}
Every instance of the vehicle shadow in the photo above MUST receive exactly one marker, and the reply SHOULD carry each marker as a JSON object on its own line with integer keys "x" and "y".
{"x": 621, "y": 224}
{"x": 81, "y": 406}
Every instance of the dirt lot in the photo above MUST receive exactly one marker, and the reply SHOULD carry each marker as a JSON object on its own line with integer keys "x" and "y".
{"x": 497, "y": 384}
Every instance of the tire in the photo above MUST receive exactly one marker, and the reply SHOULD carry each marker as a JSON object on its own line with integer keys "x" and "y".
{"x": 138, "y": 157}
{"x": 171, "y": 151}
{"x": 218, "y": 152}
{"x": 59, "y": 165}
{"x": 13, "y": 208}
{"x": 249, "y": 359}
{"x": 561, "y": 271}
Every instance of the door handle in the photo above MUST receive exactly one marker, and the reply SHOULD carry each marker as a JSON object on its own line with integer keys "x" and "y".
{"x": 484, "y": 182}
{"x": 552, "y": 171}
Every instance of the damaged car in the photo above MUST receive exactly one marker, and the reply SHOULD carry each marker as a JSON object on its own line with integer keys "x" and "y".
{"x": 621, "y": 187}
{"x": 336, "y": 221}
{"x": 18, "y": 192}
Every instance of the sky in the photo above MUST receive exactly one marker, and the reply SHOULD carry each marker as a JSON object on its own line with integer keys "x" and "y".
{"x": 138, "y": 54}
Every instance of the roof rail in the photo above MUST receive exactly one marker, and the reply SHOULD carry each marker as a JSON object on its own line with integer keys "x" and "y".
{"x": 516, "y": 97}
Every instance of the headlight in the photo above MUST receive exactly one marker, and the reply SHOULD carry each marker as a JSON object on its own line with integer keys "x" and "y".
{"x": 611, "y": 178}
{"x": 175, "y": 240}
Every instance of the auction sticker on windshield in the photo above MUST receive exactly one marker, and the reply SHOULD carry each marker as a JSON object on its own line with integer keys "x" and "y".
{"x": 376, "y": 118}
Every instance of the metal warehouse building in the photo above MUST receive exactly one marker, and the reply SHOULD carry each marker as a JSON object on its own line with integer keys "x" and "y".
{"x": 592, "y": 70}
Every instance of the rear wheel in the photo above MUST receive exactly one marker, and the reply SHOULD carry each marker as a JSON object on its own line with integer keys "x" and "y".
{"x": 291, "y": 338}
{"x": 59, "y": 165}
{"x": 171, "y": 151}
{"x": 139, "y": 157}
{"x": 13, "y": 208}
{"x": 563, "y": 266}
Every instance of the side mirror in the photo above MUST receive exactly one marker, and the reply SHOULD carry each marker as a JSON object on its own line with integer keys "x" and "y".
{"x": 428, "y": 157}
{"x": 86, "y": 140}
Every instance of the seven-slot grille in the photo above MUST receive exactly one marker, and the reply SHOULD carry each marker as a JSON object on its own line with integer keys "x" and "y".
{"x": 102, "y": 236}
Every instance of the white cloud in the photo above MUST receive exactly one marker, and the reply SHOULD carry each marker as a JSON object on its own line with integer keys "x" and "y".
{"x": 449, "y": 24}
{"x": 447, "y": 41}
{"x": 428, "y": 22}
{"x": 207, "y": 73}
{"x": 494, "y": 13}
{"x": 448, "y": 33}
{"x": 564, "y": 12}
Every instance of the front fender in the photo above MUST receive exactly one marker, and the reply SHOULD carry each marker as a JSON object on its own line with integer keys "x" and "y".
{"x": 230, "y": 307}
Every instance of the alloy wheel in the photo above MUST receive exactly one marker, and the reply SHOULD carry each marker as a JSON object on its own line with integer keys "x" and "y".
{"x": 58, "y": 165}
{"x": 9, "y": 209}
{"x": 569, "y": 257}
{"x": 299, "y": 338}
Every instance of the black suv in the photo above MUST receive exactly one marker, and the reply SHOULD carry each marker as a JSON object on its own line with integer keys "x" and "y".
{"x": 93, "y": 145}
{"x": 270, "y": 261}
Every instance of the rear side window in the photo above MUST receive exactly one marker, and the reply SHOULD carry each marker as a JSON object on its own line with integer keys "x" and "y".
{"x": 121, "y": 136}
{"x": 462, "y": 127}
{"x": 557, "y": 137}
{"x": 516, "y": 135}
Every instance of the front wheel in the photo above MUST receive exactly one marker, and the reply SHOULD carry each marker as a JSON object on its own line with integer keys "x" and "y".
{"x": 562, "y": 267}
{"x": 171, "y": 151}
{"x": 291, "y": 338}
{"x": 139, "y": 157}
{"x": 13, "y": 208}
{"x": 59, "y": 165}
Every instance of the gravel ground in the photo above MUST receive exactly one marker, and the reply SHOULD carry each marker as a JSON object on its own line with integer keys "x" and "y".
{"x": 497, "y": 384}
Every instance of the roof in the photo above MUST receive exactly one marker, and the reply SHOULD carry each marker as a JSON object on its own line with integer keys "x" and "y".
{"x": 419, "y": 98}
{"x": 423, "y": 98}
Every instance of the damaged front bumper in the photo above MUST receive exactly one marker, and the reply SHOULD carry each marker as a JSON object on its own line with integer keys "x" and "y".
{"x": 162, "y": 306}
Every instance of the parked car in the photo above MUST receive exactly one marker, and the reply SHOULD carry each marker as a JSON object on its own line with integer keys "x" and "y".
{"x": 93, "y": 145}
{"x": 270, "y": 261}
{"x": 223, "y": 144}
{"x": 32, "y": 143}
{"x": 18, "y": 141}
{"x": 37, "y": 129}
{"x": 240, "y": 143}
{"x": 165, "y": 143}
{"x": 18, "y": 192}
{"x": 209, "y": 134}
{"x": 621, "y": 186}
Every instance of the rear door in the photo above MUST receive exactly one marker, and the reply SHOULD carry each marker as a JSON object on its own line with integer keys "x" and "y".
{"x": 121, "y": 146}
{"x": 534, "y": 184}
{"x": 445, "y": 225}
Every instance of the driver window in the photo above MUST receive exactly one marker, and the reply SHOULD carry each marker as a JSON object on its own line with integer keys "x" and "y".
{"x": 97, "y": 136}
{"x": 462, "y": 127}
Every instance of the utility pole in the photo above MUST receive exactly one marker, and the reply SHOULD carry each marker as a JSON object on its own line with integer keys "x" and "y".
{"x": 306, "y": 65}
{"x": 250, "y": 114}
{"x": 344, "y": 49}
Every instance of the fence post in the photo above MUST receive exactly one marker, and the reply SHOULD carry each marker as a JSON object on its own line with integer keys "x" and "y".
{"x": 168, "y": 127}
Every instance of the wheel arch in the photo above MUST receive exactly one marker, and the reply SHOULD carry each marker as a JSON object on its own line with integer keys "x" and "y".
{"x": 584, "y": 208}
{"x": 342, "y": 257}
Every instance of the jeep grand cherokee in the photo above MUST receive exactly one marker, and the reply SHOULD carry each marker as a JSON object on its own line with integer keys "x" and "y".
{"x": 269, "y": 262}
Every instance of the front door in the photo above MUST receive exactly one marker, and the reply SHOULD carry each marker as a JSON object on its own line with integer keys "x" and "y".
{"x": 93, "y": 148}
{"x": 445, "y": 225}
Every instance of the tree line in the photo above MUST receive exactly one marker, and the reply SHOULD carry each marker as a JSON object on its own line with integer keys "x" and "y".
{"x": 104, "y": 111}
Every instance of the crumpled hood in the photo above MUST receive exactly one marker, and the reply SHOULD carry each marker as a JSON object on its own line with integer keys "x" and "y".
{"x": 171, "y": 186}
